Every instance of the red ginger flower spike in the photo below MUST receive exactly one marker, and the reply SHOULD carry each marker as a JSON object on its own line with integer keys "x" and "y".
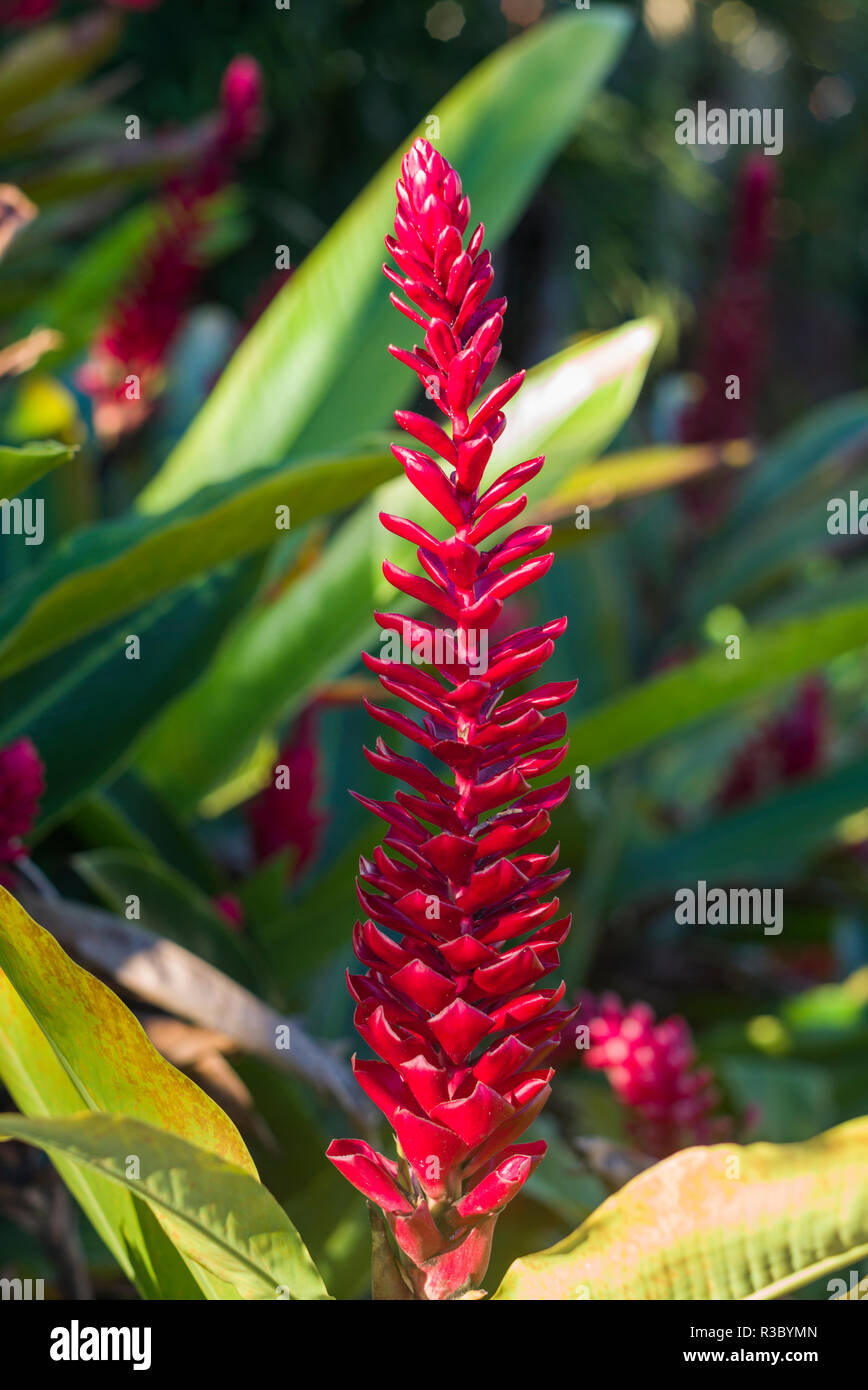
{"x": 652, "y": 1070}
{"x": 460, "y": 929}
{"x": 21, "y": 786}
{"x": 287, "y": 817}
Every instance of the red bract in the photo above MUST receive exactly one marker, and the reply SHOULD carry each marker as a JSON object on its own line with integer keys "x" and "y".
{"x": 288, "y": 817}
{"x": 652, "y": 1070}
{"x": 460, "y": 929}
{"x": 21, "y": 785}
{"x": 230, "y": 908}
{"x": 787, "y": 748}
{"x": 126, "y": 363}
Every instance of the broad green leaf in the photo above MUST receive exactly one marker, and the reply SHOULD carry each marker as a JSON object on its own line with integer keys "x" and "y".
{"x": 835, "y": 428}
{"x": 68, "y": 1043}
{"x": 85, "y": 707}
{"x": 19, "y": 467}
{"x": 312, "y": 373}
{"x": 778, "y": 515}
{"x": 770, "y": 656}
{"x": 763, "y": 843}
{"x": 129, "y": 815}
{"x": 38, "y": 1083}
{"x": 303, "y": 936}
{"x": 775, "y": 547}
{"x": 101, "y": 1045}
{"x": 105, "y": 571}
{"x": 728, "y": 1222}
{"x": 218, "y": 1214}
{"x": 318, "y": 625}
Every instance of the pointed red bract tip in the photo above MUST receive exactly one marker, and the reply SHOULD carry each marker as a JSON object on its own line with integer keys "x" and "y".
{"x": 22, "y": 783}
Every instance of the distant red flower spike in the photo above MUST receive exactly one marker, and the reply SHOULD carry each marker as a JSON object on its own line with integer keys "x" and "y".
{"x": 670, "y": 1102}
{"x": 25, "y": 12}
{"x": 126, "y": 364}
{"x": 450, "y": 1003}
{"x": 240, "y": 102}
{"x": 787, "y": 748}
{"x": 21, "y": 13}
{"x": 22, "y": 783}
{"x": 287, "y": 817}
{"x": 736, "y": 330}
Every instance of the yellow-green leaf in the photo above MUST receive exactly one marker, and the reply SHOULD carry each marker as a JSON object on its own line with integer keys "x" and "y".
{"x": 107, "y": 570}
{"x": 68, "y": 1043}
{"x": 221, "y": 1217}
{"x": 728, "y": 1222}
{"x": 19, "y": 467}
{"x": 770, "y": 655}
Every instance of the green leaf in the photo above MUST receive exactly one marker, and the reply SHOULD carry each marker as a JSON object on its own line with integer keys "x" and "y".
{"x": 218, "y": 1214}
{"x": 107, "y": 570}
{"x": 39, "y": 1085}
{"x": 835, "y": 428}
{"x": 54, "y": 56}
{"x": 68, "y": 1043}
{"x": 170, "y": 906}
{"x": 274, "y": 658}
{"x": 299, "y": 938}
{"x": 728, "y": 1222}
{"x": 103, "y": 1049}
{"x": 19, "y": 467}
{"x": 84, "y": 707}
{"x": 760, "y": 844}
{"x": 129, "y": 815}
{"x": 770, "y": 655}
{"x": 322, "y": 341}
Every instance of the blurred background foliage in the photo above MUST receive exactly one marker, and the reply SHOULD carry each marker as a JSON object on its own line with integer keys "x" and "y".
{"x": 751, "y": 772}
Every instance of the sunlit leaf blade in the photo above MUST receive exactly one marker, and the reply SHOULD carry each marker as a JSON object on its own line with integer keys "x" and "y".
{"x": 105, "y": 571}
{"x": 86, "y": 705}
{"x": 100, "y": 1043}
{"x": 25, "y": 464}
{"x": 67, "y": 1043}
{"x": 728, "y": 1222}
{"x": 630, "y": 474}
{"x": 311, "y": 374}
{"x": 219, "y": 1215}
{"x": 764, "y": 843}
{"x": 771, "y": 655}
{"x": 39, "y": 1084}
